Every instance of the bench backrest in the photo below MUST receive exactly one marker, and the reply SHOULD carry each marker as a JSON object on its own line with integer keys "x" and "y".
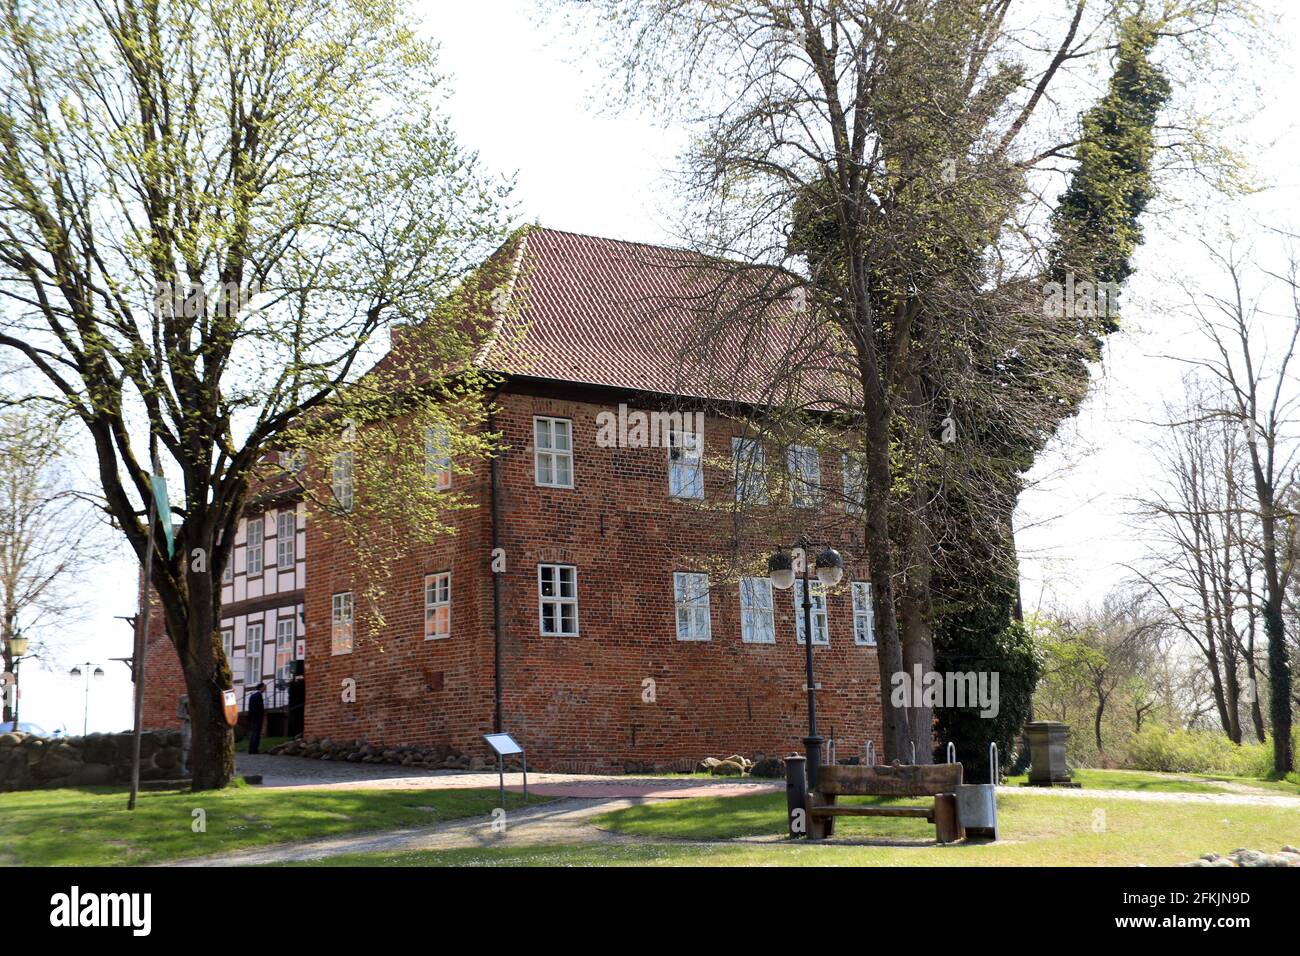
{"x": 913, "y": 780}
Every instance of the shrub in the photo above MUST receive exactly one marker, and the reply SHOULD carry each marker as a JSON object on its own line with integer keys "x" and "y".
{"x": 1197, "y": 751}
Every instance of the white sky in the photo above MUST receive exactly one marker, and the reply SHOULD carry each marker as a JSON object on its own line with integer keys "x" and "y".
{"x": 525, "y": 99}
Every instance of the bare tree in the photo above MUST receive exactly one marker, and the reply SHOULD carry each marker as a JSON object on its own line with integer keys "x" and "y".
{"x": 871, "y": 164}
{"x": 1252, "y": 351}
{"x": 47, "y": 533}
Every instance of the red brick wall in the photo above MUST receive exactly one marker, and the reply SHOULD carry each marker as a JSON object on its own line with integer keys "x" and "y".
{"x": 577, "y": 702}
{"x": 164, "y": 683}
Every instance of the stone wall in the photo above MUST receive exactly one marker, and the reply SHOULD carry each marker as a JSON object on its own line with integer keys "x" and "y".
{"x": 28, "y": 762}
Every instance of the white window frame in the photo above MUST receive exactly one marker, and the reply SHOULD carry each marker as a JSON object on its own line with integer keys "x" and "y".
{"x": 558, "y": 600}
{"x": 757, "y": 619}
{"x": 253, "y": 653}
{"x": 752, "y": 485}
{"x": 228, "y": 643}
{"x": 285, "y": 626}
{"x": 820, "y": 622}
{"x": 437, "y": 606}
{"x": 286, "y": 540}
{"x": 254, "y": 548}
{"x": 228, "y": 572}
{"x": 804, "y": 465}
{"x": 550, "y": 456}
{"x": 864, "y": 621}
{"x": 691, "y": 606}
{"x": 341, "y": 480}
{"x": 341, "y": 623}
{"x": 855, "y": 486}
{"x": 685, "y": 465}
{"x": 437, "y": 456}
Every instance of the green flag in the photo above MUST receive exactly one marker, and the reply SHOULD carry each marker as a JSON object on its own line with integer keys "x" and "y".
{"x": 164, "y": 509}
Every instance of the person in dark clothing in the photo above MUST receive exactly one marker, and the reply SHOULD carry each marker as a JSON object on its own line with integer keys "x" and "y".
{"x": 256, "y": 717}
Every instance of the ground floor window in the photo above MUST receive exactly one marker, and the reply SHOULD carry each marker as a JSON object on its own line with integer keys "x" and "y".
{"x": 691, "y": 596}
{"x": 557, "y": 592}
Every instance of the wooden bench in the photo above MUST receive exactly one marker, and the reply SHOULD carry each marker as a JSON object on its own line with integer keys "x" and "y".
{"x": 939, "y": 781}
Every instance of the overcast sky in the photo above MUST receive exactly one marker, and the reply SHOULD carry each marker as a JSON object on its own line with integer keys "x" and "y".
{"x": 527, "y": 100}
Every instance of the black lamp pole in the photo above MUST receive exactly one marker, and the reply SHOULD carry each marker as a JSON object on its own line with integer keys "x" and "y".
{"x": 812, "y": 744}
{"x": 830, "y": 568}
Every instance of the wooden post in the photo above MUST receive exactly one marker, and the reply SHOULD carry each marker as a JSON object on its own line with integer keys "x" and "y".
{"x": 947, "y": 826}
{"x": 796, "y": 796}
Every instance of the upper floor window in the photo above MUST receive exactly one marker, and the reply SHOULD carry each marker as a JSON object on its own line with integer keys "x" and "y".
{"x": 228, "y": 572}
{"x": 341, "y": 623}
{"x": 557, "y": 594}
{"x": 805, "y": 475}
{"x": 691, "y": 597}
{"x": 253, "y": 557}
{"x": 818, "y": 594}
{"x": 864, "y": 624}
{"x": 685, "y": 465}
{"x": 437, "y": 606}
{"x": 228, "y": 642}
{"x": 341, "y": 480}
{"x": 252, "y": 654}
{"x": 855, "y": 486}
{"x": 286, "y": 538}
{"x": 553, "y": 452}
{"x": 750, "y": 470}
{"x": 756, "y": 626}
{"x": 437, "y": 455}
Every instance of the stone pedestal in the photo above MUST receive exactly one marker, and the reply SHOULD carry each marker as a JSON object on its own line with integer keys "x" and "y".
{"x": 1047, "y": 754}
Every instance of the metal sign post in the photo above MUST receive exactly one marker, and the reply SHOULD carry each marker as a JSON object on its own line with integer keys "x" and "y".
{"x": 503, "y": 745}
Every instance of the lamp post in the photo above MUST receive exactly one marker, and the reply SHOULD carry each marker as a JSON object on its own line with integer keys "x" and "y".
{"x": 17, "y": 651}
{"x": 830, "y": 568}
{"x": 97, "y": 674}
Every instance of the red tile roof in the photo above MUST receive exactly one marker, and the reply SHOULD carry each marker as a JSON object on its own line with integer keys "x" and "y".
{"x": 588, "y": 310}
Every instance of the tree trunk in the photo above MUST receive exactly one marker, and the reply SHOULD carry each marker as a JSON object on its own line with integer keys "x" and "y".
{"x": 918, "y": 635}
{"x": 889, "y": 651}
{"x": 212, "y": 749}
{"x": 1096, "y": 725}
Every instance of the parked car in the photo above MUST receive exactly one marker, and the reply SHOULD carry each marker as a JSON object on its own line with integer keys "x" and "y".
{"x": 24, "y": 727}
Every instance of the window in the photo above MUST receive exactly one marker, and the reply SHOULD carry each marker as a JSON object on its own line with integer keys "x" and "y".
{"x": 864, "y": 625}
{"x": 557, "y": 590}
{"x": 228, "y": 572}
{"x": 855, "y": 488}
{"x": 286, "y": 538}
{"x": 342, "y": 480}
{"x": 553, "y": 452}
{"x": 437, "y": 606}
{"x": 820, "y": 635}
{"x": 805, "y": 476}
{"x": 253, "y": 556}
{"x": 756, "y": 625}
{"x": 751, "y": 468}
{"x": 293, "y": 459}
{"x": 437, "y": 455}
{"x": 341, "y": 624}
{"x": 685, "y": 474}
{"x": 691, "y": 595}
{"x": 252, "y": 654}
{"x": 284, "y": 635}
{"x": 228, "y": 642}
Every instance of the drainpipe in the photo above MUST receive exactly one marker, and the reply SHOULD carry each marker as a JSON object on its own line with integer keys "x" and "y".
{"x": 494, "y": 493}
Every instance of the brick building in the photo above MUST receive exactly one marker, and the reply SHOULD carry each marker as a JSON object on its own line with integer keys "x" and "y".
{"x": 632, "y": 625}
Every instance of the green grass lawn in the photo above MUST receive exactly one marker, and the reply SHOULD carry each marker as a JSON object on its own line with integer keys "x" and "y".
{"x": 241, "y": 746}
{"x": 1035, "y": 829}
{"x": 93, "y": 827}
{"x": 1169, "y": 782}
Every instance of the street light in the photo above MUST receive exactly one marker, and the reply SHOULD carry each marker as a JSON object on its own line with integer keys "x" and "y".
{"x": 830, "y": 569}
{"x": 17, "y": 651}
{"x": 97, "y": 674}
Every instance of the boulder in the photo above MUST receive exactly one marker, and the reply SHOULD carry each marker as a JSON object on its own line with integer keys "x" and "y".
{"x": 727, "y": 768}
{"x": 772, "y": 768}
